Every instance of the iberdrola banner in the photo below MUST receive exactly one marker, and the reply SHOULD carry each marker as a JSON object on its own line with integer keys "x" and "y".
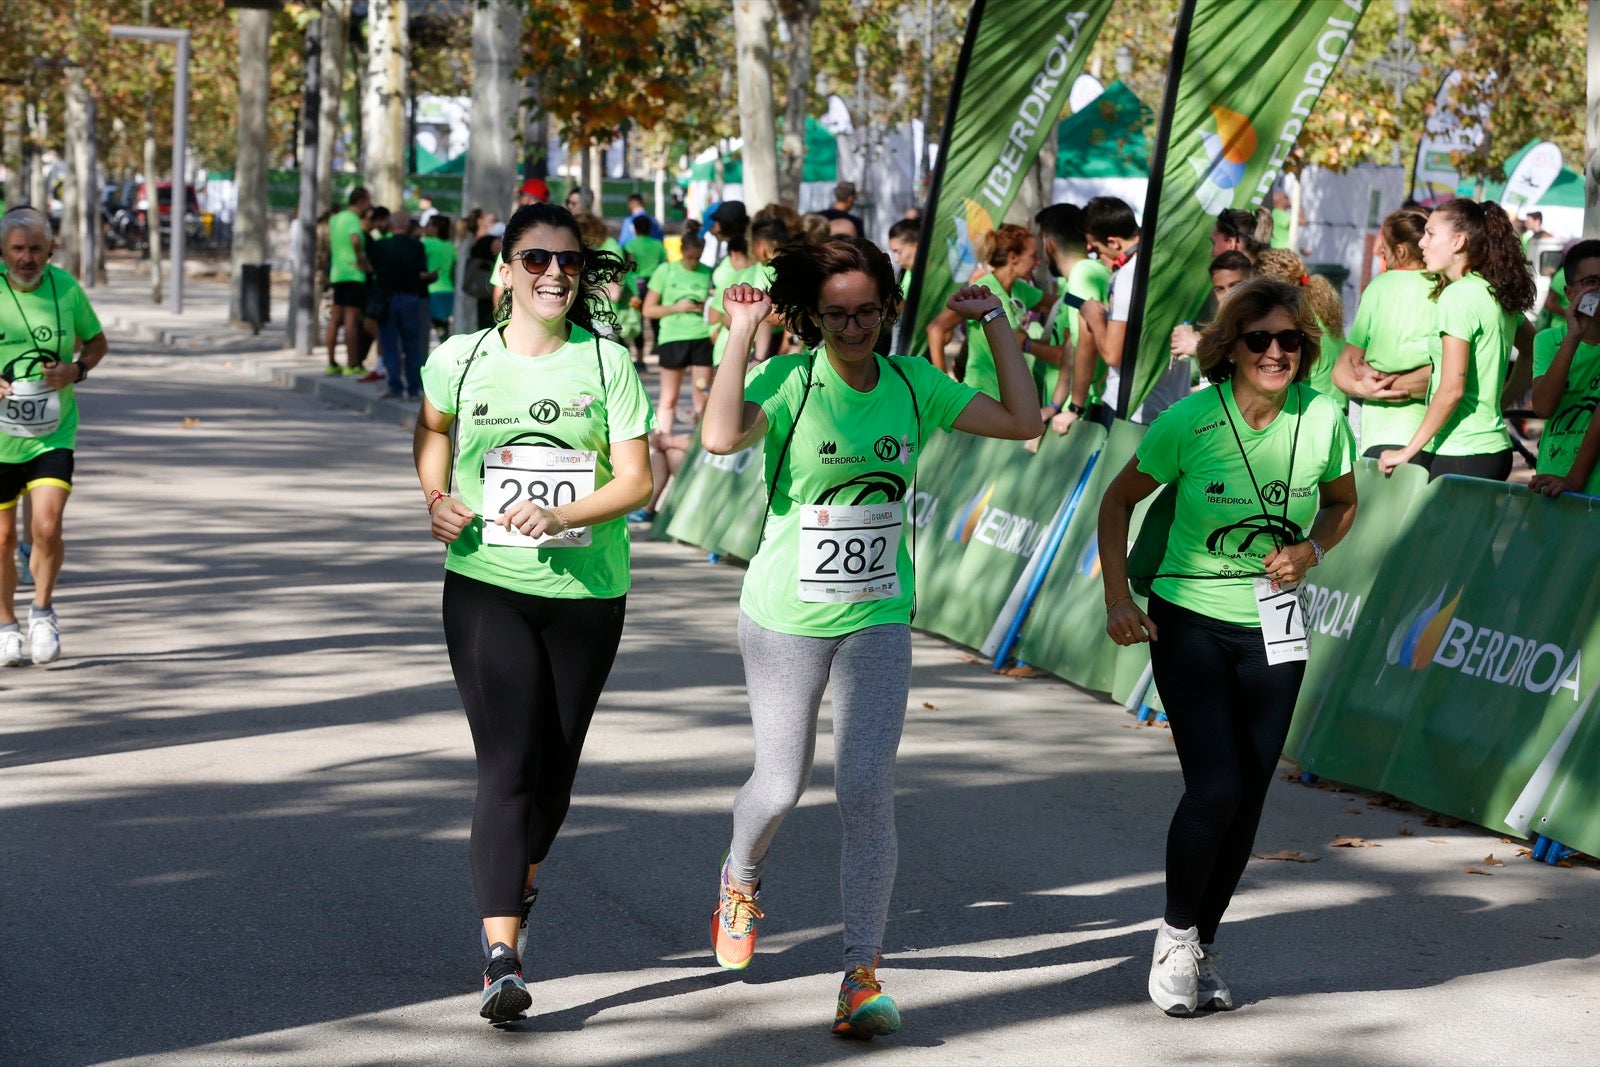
{"x": 1018, "y": 62}
{"x": 1251, "y": 76}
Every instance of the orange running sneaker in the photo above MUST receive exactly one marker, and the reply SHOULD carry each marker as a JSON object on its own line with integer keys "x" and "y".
{"x": 865, "y": 1010}
{"x": 733, "y": 924}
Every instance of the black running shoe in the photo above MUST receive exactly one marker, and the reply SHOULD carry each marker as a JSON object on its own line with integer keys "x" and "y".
{"x": 505, "y": 994}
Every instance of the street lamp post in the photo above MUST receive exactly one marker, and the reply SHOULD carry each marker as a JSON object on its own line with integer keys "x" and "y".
{"x": 1398, "y": 66}
{"x": 180, "y": 146}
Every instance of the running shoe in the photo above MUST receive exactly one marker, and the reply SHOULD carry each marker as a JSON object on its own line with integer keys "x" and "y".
{"x": 865, "y": 1010}
{"x": 642, "y": 515}
{"x": 24, "y": 563}
{"x": 505, "y": 994}
{"x": 44, "y": 635}
{"x": 733, "y": 924}
{"x": 370, "y": 375}
{"x": 529, "y": 895}
{"x": 11, "y": 646}
{"x": 1175, "y": 971}
{"x": 1214, "y": 992}
{"x": 333, "y": 370}
{"x": 392, "y": 395}
{"x": 357, "y": 371}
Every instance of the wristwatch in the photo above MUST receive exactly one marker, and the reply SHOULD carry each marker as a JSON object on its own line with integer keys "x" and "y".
{"x": 1077, "y": 409}
{"x": 993, "y": 313}
{"x": 83, "y": 370}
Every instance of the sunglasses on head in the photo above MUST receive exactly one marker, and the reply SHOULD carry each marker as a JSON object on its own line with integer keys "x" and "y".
{"x": 537, "y": 261}
{"x": 1258, "y": 341}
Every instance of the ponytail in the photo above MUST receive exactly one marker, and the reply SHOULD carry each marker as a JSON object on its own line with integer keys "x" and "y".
{"x": 1494, "y": 251}
{"x": 996, "y": 246}
{"x": 1320, "y": 295}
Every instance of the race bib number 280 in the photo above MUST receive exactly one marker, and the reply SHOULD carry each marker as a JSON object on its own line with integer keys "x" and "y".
{"x": 849, "y": 554}
{"x": 32, "y": 409}
{"x": 548, "y": 477}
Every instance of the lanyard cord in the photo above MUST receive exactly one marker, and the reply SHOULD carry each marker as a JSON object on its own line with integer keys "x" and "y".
{"x": 1288, "y": 481}
{"x": 55, "y": 301}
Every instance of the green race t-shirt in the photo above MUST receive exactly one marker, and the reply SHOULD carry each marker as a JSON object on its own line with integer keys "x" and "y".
{"x": 759, "y": 275}
{"x": 981, "y": 372}
{"x": 1221, "y": 526}
{"x": 1321, "y": 378}
{"x": 586, "y": 396}
{"x": 905, "y": 283}
{"x": 1564, "y": 430}
{"x": 648, "y": 253}
{"x": 343, "y": 264}
{"x": 1397, "y": 329}
{"x": 36, "y": 329}
{"x": 1089, "y": 279}
{"x": 673, "y": 282}
{"x": 441, "y": 260}
{"x": 1467, "y": 309}
{"x": 848, "y": 448}
{"x": 1280, "y": 228}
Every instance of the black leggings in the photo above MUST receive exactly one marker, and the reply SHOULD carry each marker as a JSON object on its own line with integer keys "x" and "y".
{"x": 1495, "y": 466}
{"x": 1230, "y": 714}
{"x": 530, "y": 670}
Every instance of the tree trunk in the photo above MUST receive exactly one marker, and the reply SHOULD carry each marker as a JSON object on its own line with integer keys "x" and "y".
{"x": 303, "y": 316}
{"x": 1037, "y": 188}
{"x": 16, "y": 187}
{"x": 73, "y": 195}
{"x": 39, "y": 136}
{"x": 152, "y": 230}
{"x": 335, "y": 37}
{"x": 535, "y": 132}
{"x": 491, "y": 178}
{"x": 1591, "y": 150}
{"x": 383, "y": 103}
{"x": 250, "y": 166}
{"x": 798, "y": 16}
{"x": 752, "y": 29}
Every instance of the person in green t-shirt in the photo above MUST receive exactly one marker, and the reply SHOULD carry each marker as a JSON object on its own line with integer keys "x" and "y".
{"x": 551, "y": 422}
{"x": 347, "y": 277}
{"x": 1011, "y": 254}
{"x": 1483, "y": 291}
{"x": 44, "y": 319}
{"x": 1566, "y": 370}
{"x": 904, "y": 237}
{"x": 676, "y": 300}
{"x": 646, "y": 253}
{"x": 1326, "y": 304}
{"x": 441, "y": 253}
{"x": 829, "y": 594}
{"x": 1082, "y": 279}
{"x": 1259, "y": 485}
{"x": 1393, "y": 344}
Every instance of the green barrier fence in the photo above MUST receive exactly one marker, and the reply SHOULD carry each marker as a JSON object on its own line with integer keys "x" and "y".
{"x": 1449, "y": 630}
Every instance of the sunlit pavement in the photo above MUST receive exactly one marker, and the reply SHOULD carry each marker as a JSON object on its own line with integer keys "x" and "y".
{"x": 233, "y": 819}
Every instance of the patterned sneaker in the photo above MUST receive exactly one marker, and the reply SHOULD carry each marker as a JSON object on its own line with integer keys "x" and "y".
{"x": 11, "y": 646}
{"x": 733, "y": 924}
{"x": 44, "y": 635}
{"x": 1175, "y": 971}
{"x": 1213, "y": 992}
{"x": 505, "y": 994}
{"x": 865, "y": 1010}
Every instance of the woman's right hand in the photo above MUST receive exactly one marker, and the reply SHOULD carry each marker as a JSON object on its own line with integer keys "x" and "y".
{"x": 450, "y": 516}
{"x": 745, "y": 304}
{"x": 1127, "y": 625}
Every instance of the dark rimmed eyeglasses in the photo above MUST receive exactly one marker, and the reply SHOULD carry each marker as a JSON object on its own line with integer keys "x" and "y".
{"x": 537, "y": 261}
{"x": 1258, "y": 341}
{"x": 865, "y": 319}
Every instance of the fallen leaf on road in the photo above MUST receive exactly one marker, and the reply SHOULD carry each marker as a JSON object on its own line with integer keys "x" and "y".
{"x": 1352, "y": 811}
{"x": 971, "y": 659}
{"x": 1551, "y": 937}
{"x": 1474, "y": 870}
{"x": 1353, "y": 842}
{"x": 1505, "y": 840}
{"x": 1490, "y": 861}
{"x": 1406, "y": 831}
{"x": 1523, "y": 853}
{"x": 188, "y": 423}
{"x": 1287, "y": 854}
{"x": 1433, "y": 820}
{"x": 1438, "y": 841}
{"x": 1023, "y": 672}
{"x": 930, "y": 707}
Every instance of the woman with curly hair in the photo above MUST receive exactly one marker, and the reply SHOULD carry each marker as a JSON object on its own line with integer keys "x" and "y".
{"x": 1326, "y": 307}
{"x": 1483, "y": 289}
{"x": 550, "y": 454}
{"x": 828, "y": 597}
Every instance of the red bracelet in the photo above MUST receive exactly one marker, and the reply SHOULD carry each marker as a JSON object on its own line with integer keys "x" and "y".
{"x": 433, "y": 498}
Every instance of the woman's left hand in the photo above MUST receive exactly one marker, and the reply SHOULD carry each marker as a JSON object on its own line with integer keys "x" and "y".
{"x": 1391, "y": 459}
{"x": 973, "y": 302}
{"x": 1553, "y": 485}
{"x": 1288, "y": 565}
{"x": 531, "y": 519}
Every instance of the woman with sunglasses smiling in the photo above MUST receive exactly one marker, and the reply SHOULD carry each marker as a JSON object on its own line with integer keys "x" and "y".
{"x": 829, "y": 595}
{"x": 1259, "y": 478}
{"x": 550, "y": 454}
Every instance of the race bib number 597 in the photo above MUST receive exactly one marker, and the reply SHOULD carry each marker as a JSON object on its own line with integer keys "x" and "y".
{"x": 32, "y": 409}
{"x": 549, "y": 477}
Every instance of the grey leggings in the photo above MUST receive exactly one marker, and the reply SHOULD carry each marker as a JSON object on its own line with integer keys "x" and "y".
{"x": 785, "y": 675}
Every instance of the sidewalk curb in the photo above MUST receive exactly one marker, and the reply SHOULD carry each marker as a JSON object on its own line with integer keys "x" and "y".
{"x": 275, "y": 369}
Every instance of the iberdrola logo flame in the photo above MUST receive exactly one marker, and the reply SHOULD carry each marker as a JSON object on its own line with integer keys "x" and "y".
{"x": 1418, "y": 636}
{"x": 971, "y": 223}
{"x": 1227, "y": 153}
{"x": 967, "y": 520}
{"x": 1089, "y": 562}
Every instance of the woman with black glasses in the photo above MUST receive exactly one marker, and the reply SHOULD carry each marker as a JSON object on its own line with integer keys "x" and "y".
{"x": 550, "y": 454}
{"x": 1259, "y": 485}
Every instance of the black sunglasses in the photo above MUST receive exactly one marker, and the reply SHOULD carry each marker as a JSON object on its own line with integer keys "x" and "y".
{"x": 1258, "y": 341}
{"x": 537, "y": 261}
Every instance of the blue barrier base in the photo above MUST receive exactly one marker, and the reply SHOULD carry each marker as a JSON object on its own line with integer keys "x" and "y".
{"x": 1309, "y": 779}
{"x": 1546, "y": 850}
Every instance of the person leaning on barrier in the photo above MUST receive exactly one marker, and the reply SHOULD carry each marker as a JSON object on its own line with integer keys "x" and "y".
{"x": 1566, "y": 371}
{"x": 1259, "y": 477}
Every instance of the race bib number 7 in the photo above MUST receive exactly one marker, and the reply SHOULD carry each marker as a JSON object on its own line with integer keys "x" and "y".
{"x": 1283, "y": 622}
{"x": 549, "y": 477}
{"x": 849, "y": 554}
{"x": 32, "y": 409}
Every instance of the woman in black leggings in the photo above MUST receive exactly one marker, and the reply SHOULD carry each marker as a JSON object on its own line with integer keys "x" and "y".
{"x": 1259, "y": 469}
{"x": 551, "y": 423}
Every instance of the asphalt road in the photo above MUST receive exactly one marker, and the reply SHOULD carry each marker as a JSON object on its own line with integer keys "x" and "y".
{"x": 233, "y": 820}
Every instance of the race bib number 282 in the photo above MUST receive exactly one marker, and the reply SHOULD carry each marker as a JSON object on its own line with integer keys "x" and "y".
{"x": 849, "y": 554}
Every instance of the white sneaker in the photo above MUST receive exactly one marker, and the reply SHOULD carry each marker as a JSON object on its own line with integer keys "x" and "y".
{"x": 11, "y": 647}
{"x": 1214, "y": 992}
{"x": 44, "y": 637}
{"x": 1175, "y": 970}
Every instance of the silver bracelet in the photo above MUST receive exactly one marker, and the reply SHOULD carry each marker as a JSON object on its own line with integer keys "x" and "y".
{"x": 992, "y": 314}
{"x": 1318, "y": 549}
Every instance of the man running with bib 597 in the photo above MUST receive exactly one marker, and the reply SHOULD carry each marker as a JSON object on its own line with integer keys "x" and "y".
{"x": 44, "y": 317}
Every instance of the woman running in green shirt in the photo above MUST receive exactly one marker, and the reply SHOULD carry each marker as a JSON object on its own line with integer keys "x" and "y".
{"x": 1260, "y": 472}
{"x": 1482, "y": 292}
{"x": 828, "y": 598}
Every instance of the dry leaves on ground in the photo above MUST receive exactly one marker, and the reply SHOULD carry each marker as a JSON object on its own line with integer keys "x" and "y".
{"x": 1023, "y": 671}
{"x": 1474, "y": 870}
{"x": 1490, "y": 861}
{"x": 930, "y": 706}
{"x": 1287, "y": 854}
{"x": 1352, "y": 811}
{"x": 1352, "y": 842}
{"x": 1406, "y": 831}
{"x": 189, "y": 423}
